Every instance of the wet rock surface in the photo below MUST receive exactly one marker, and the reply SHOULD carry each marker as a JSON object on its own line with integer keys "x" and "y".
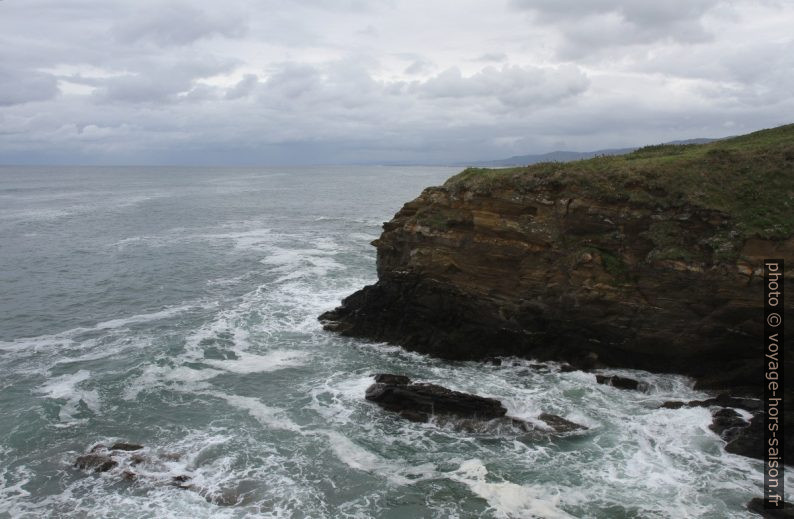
{"x": 95, "y": 462}
{"x": 124, "y": 446}
{"x": 722, "y": 400}
{"x": 421, "y": 402}
{"x": 560, "y": 424}
{"x": 620, "y": 382}
{"x": 749, "y": 440}
{"x": 756, "y": 505}
{"x": 386, "y": 378}
{"x": 134, "y": 464}
{"x": 727, "y": 423}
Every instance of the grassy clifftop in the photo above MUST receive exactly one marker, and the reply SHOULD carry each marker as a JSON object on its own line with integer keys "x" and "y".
{"x": 749, "y": 178}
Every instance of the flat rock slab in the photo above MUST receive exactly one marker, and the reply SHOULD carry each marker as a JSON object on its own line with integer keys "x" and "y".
{"x": 418, "y": 401}
{"x": 124, "y": 446}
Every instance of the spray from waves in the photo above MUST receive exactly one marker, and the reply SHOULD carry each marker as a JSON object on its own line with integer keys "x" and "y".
{"x": 66, "y": 387}
{"x": 266, "y": 415}
{"x": 509, "y": 499}
{"x": 240, "y": 337}
{"x": 69, "y": 337}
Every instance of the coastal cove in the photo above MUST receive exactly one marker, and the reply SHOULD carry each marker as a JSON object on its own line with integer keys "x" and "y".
{"x": 176, "y": 309}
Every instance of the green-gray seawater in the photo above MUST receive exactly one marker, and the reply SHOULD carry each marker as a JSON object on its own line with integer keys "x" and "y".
{"x": 176, "y": 308}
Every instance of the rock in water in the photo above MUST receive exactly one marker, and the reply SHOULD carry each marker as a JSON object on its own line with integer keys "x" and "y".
{"x": 124, "y": 446}
{"x": 418, "y": 401}
{"x": 97, "y": 462}
{"x": 748, "y": 441}
{"x": 757, "y": 505}
{"x": 560, "y": 424}
{"x": 386, "y": 378}
{"x": 619, "y": 382}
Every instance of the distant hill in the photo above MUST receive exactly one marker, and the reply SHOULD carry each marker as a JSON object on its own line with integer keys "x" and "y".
{"x": 568, "y": 156}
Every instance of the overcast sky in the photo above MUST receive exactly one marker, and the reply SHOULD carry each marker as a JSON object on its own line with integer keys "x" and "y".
{"x": 354, "y": 81}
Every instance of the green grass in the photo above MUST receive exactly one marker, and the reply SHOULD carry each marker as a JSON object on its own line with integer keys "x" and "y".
{"x": 749, "y": 178}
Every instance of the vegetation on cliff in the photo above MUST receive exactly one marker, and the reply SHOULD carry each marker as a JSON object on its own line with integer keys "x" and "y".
{"x": 750, "y": 179}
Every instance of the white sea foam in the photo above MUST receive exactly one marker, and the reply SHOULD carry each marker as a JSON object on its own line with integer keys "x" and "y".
{"x": 359, "y": 458}
{"x": 507, "y": 499}
{"x": 179, "y": 377}
{"x": 12, "y": 486}
{"x": 252, "y": 363}
{"x": 300, "y": 263}
{"x": 269, "y": 416}
{"x": 43, "y": 342}
{"x": 66, "y": 387}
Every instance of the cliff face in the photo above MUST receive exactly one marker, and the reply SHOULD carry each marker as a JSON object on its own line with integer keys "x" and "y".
{"x": 653, "y": 261}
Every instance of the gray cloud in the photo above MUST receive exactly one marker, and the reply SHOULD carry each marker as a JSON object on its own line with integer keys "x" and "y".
{"x": 492, "y": 57}
{"x": 267, "y": 81}
{"x": 177, "y": 24}
{"x": 19, "y": 86}
{"x": 590, "y": 26}
{"x": 512, "y": 86}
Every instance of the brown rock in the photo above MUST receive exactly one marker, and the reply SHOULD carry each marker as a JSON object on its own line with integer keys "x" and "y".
{"x": 98, "y": 462}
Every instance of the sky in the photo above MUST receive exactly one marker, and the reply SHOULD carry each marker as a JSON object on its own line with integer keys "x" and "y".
{"x": 277, "y": 82}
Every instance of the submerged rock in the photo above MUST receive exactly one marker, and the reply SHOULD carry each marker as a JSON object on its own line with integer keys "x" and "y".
{"x": 722, "y": 400}
{"x": 756, "y": 505}
{"x": 560, "y": 424}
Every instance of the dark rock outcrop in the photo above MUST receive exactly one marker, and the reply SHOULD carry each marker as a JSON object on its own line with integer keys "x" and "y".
{"x": 95, "y": 462}
{"x": 756, "y": 505}
{"x": 124, "y": 446}
{"x": 749, "y": 440}
{"x": 727, "y": 423}
{"x": 722, "y": 400}
{"x": 386, "y": 378}
{"x": 419, "y": 401}
{"x": 619, "y": 382}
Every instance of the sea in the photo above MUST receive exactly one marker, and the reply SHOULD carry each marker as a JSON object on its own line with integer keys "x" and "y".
{"x": 176, "y": 308}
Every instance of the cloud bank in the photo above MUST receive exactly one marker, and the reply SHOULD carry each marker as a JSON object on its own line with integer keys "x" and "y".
{"x": 315, "y": 81}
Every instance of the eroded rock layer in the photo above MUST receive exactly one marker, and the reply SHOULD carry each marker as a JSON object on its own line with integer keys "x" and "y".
{"x": 650, "y": 261}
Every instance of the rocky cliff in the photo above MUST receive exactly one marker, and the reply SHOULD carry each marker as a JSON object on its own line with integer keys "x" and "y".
{"x": 652, "y": 260}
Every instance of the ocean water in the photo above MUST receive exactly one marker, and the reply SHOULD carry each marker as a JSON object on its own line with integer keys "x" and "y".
{"x": 176, "y": 308}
